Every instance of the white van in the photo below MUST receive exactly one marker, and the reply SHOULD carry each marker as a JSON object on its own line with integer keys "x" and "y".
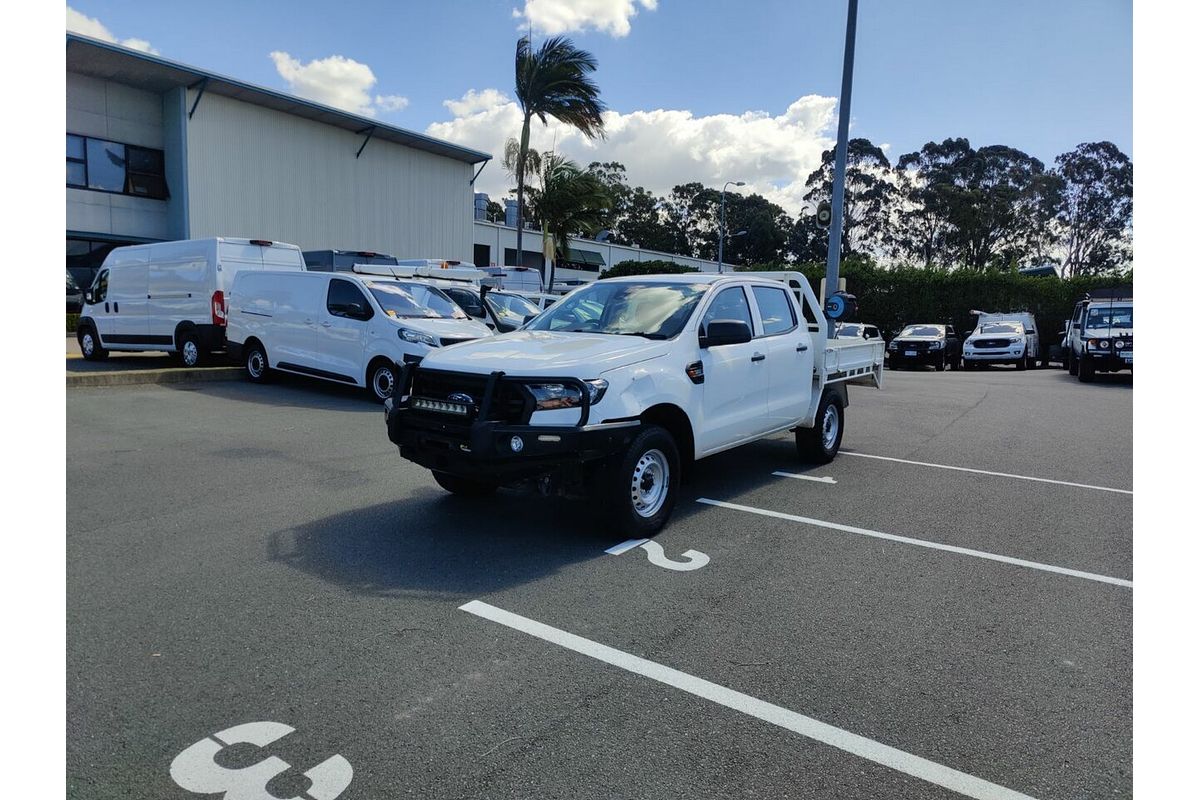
{"x": 171, "y": 296}
{"x": 516, "y": 279}
{"x": 342, "y": 327}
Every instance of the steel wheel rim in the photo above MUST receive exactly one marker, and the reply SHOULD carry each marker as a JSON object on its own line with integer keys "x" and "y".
{"x": 254, "y": 365}
{"x": 829, "y": 426}
{"x": 650, "y": 483}
{"x": 384, "y": 383}
{"x": 87, "y": 345}
{"x": 191, "y": 353}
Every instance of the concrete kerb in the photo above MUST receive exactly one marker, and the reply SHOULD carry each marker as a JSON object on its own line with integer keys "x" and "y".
{"x": 132, "y": 377}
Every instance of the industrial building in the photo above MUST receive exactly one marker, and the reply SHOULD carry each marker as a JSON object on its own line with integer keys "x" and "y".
{"x": 158, "y": 150}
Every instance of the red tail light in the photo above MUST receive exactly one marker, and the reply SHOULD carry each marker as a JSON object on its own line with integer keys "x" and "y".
{"x": 219, "y": 316}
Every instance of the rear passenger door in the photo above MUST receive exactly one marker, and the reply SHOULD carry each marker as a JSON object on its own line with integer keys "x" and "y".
{"x": 789, "y": 354}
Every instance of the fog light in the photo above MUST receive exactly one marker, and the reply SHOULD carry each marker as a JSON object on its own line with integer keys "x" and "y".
{"x": 517, "y": 444}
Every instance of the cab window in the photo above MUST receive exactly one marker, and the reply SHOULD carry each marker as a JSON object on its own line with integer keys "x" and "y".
{"x": 776, "y": 312}
{"x": 343, "y": 294}
{"x": 730, "y": 304}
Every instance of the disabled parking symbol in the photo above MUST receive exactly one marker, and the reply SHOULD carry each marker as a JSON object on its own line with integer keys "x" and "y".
{"x": 196, "y": 769}
{"x": 692, "y": 559}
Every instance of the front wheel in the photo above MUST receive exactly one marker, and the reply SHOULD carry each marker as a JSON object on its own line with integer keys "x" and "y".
{"x": 1072, "y": 364}
{"x": 1087, "y": 370}
{"x": 382, "y": 381}
{"x": 956, "y": 363}
{"x": 1022, "y": 363}
{"x": 820, "y": 443}
{"x": 89, "y": 345}
{"x": 640, "y": 491}
{"x": 464, "y": 487}
{"x": 941, "y": 365}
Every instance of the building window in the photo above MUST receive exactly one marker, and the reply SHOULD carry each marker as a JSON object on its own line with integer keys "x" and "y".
{"x": 105, "y": 166}
{"x": 84, "y": 257}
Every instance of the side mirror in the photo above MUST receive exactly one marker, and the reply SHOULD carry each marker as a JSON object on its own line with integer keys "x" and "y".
{"x": 356, "y": 311}
{"x": 726, "y": 331}
{"x": 475, "y": 311}
{"x": 87, "y": 297}
{"x": 1078, "y": 326}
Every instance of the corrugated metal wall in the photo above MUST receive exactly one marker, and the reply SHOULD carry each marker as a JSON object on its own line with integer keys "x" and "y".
{"x": 256, "y": 172}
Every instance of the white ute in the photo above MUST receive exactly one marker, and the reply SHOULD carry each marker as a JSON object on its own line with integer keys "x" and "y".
{"x": 610, "y": 392}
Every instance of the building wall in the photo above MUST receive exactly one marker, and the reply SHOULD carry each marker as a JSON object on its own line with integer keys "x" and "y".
{"x": 499, "y": 237}
{"x": 260, "y": 173}
{"x": 118, "y": 113}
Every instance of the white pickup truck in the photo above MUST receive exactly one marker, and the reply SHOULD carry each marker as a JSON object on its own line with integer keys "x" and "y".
{"x": 614, "y": 389}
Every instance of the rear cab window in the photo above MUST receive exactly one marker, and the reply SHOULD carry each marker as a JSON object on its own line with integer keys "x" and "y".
{"x": 775, "y": 309}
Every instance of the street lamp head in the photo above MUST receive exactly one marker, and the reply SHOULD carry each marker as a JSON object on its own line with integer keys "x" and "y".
{"x": 739, "y": 233}
{"x": 739, "y": 183}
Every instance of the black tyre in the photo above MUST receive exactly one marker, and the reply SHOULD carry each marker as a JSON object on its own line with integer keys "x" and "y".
{"x": 187, "y": 346}
{"x": 258, "y": 368}
{"x": 89, "y": 344}
{"x": 956, "y": 363}
{"x": 464, "y": 487}
{"x": 639, "y": 492}
{"x": 820, "y": 443}
{"x": 941, "y": 365}
{"x": 1022, "y": 363}
{"x": 893, "y": 364}
{"x": 1087, "y": 370}
{"x": 381, "y": 380}
{"x": 1072, "y": 364}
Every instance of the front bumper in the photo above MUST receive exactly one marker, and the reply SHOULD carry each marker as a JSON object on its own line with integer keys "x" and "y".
{"x": 1110, "y": 361}
{"x": 1003, "y": 356}
{"x": 902, "y": 356}
{"x": 482, "y": 449}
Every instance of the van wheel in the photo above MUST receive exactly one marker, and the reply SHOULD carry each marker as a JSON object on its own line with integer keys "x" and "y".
{"x": 382, "y": 381}
{"x": 821, "y": 442}
{"x": 464, "y": 487}
{"x": 89, "y": 345}
{"x": 639, "y": 492}
{"x": 189, "y": 349}
{"x": 257, "y": 367}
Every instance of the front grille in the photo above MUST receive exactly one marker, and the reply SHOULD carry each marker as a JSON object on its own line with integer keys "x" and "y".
{"x": 985, "y": 344}
{"x": 913, "y": 345}
{"x": 511, "y": 403}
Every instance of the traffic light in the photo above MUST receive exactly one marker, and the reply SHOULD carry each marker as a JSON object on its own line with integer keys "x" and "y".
{"x": 824, "y": 213}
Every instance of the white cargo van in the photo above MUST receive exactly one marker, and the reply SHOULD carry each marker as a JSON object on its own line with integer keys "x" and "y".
{"x": 342, "y": 327}
{"x": 171, "y": 296}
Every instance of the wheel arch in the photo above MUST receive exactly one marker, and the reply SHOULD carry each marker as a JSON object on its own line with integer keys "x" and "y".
{"x": 677, "y": 423}
{"x": 187, "y": 326}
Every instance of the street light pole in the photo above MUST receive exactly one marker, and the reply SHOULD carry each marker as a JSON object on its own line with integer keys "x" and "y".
{"x": 721, "y": 234}
{"x": 832, "y": 261}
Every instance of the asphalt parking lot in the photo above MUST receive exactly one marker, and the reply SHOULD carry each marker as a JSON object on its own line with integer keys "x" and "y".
{"x": 873, "y": 628}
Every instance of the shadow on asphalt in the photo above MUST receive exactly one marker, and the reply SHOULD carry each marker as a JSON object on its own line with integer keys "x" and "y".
{"x": 289, "y": 391}
{"x": 430, "y": 542}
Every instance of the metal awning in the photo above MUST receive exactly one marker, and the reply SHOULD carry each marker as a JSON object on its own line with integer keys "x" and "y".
{"x": 585, "y": 257}
{"x": 109, "y": 61}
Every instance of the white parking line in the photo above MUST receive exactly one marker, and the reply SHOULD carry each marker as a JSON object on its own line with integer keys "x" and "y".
{"x": 986, "y": 472}
{"x": 1020, "y": 562}
{"x": 826, "y": 479}
{"x": 861, "y": 746}
{"x": 628, "y": 544}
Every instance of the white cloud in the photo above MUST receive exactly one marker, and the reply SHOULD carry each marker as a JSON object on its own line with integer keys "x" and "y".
{"x": 562, "y": 16}
{"x": 663, "y": 148}
{"x": 88, "y": 26}
{"x": 336, "y": 81}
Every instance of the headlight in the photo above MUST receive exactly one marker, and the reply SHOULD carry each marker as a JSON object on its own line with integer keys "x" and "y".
{"x": 1120, "y": 344}
{"x": 936, "y": 345}
{"x": 1014, "y": 340}
{"x": 549, "y": 396}
{"x": 416, "y": 337}
{"x": 893, "y": 346}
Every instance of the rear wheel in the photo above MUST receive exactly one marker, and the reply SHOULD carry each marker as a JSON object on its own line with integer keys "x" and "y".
{"x": 464, "y": 487}
{"x": 188, "y": 346}
{"x": 639, "y": 493}
{"x": 89, "y": 344}
{"x": 820, "y": 443}
{"x": 257, "y": 367}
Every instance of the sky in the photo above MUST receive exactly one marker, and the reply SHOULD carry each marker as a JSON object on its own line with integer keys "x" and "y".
{"x": 698, "y": 90}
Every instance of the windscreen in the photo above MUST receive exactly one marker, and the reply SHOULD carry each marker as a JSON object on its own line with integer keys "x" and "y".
{"x": 652, "y": 310}
{"x": 1110, "y": 317}
{"x": 1001, "y": 327}
{"x": 408, "y": 300}
{"x": 922, "y": 330}
{"x": 510, "y": 307}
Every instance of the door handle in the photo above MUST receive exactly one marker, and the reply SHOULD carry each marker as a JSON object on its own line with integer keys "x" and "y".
{"x": 758, "y": 357}
{"x": 106, "y": 308}
{"x": 116, "y": 308}
{"x": 325, "y": 324}
{"x": 800, "y": 348}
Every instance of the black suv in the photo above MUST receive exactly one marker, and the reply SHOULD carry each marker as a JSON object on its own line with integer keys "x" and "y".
{"x": 935, "y": 345}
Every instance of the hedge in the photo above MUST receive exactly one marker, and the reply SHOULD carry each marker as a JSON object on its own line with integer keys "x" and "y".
{"x": 72, "y": 321}
{"x": 624, "y": 269}
{"x": 894, "y": 298}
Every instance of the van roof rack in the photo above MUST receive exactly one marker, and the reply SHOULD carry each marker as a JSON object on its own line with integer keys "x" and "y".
{"x": 1116, "y": 293}
{"x": 465, "y": 275}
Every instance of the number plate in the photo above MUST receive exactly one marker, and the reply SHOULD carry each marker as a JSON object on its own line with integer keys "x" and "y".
{"x": 910, "y": 352}
{"x": 1128, "y": 356}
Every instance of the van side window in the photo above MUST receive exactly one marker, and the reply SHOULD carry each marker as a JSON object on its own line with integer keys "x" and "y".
{"x": 730, "y": 304}
{"x": 343, "y": 294}
{"x": 100, "y": 288}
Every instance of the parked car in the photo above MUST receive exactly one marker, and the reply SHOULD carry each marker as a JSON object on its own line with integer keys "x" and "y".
{"x": 856, "y": 330}
{"x": 1100, "y": 336}
{"x": 74, "y": 296}
{"x": 516, "y": 279}
{"x": 344, "y": 260}
{"x": 171, "y": 296}
{"x": 925, "y": 344}
{"x": 342, "y": 327}
{"x": 1004, "y": 338}
{"x": 612, "y": 390}
{"x": 501, "y": 311}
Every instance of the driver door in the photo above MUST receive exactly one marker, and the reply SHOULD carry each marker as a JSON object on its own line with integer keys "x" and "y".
{"x": 345, "y": 328}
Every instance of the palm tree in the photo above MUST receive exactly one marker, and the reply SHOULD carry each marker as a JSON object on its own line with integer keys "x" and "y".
{"x": 554, "y": 81}
{"x": 571, "y": 201}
